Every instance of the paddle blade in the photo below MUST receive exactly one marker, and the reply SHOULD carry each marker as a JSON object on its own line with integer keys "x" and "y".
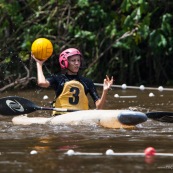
{"x": 161, "y": 116}
{"x": 131, "y": 117}
{"x": 14, "y": 105}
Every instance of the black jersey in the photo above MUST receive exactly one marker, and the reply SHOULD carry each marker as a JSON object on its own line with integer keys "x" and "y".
{"x": 58, "y": 81}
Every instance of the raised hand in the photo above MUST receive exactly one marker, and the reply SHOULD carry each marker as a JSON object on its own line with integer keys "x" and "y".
{"x": 37, "y": 60}
{"x": 107, "y": 83}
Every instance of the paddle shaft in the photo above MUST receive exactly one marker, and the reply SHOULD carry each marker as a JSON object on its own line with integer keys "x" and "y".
{"x": 56, "y": 109}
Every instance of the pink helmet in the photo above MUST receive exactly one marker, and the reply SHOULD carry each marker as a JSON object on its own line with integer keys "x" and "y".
{"x": 63, "y": 58}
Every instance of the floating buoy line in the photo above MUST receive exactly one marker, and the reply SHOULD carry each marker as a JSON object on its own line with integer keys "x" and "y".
{"x": 141, "y": 87}
{"x": 124, "y": 97}
{"x": 131, "y": 97}
{"x": 150, "y": 151}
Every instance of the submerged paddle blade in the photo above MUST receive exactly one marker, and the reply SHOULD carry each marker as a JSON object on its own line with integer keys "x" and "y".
{"x": 132, "y": 117}
{"x": 14, "y": 105}
{"x": 161, "y": 116}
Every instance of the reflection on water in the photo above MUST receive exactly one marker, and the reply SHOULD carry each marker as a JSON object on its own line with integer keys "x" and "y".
{"x": 51, "y": 142}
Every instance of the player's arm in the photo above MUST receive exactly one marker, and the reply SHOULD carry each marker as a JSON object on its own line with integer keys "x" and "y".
{"x": 106, "y": 86}
{"x": 41, "y": 80}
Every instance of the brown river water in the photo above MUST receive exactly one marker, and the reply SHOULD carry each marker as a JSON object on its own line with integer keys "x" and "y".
{"x": 52, "y": 142}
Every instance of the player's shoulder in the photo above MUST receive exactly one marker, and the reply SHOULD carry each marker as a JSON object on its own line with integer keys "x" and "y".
{"x": 85, "y": 79}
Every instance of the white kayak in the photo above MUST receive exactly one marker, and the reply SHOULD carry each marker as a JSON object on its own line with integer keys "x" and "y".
{"x": 106, "y": 118}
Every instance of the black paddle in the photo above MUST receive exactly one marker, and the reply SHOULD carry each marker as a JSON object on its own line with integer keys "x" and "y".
{"x": 166, "y": 117}
{"x": 14, "y": 105}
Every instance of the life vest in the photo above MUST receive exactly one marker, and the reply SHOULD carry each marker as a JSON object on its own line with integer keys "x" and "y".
{"x": 72, "y": 97}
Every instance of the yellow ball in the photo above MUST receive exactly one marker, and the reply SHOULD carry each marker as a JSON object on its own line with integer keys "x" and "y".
{"x": 42, "y": 48}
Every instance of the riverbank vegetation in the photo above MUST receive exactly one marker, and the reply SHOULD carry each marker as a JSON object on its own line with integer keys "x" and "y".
{"x": 131, "y": 40}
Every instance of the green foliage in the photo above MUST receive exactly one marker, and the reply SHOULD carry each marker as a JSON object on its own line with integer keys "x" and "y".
{"x": 83, "y": 3}
{"x": 130, "y": 39}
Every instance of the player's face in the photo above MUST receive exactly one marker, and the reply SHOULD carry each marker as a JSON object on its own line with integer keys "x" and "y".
{"x": 74, "y": 63}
